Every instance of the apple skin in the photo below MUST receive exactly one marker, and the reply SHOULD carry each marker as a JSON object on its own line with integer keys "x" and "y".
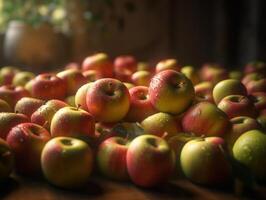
{"x": 143, "y": 66}
{"x": 255, "y": 67}
{"x": 4, "y": 106}
{"x": 72, "y": 65}
{"x": 70, "y": 100}
{"x": 6, "y": 160}
{"x": 258, "y": 85}
{"x": 12, "y": 94}
{"x": 204, "y": 161}
{"x": 67, "y": 162}
{"x": 251, "y": 77}
{"x": 99, "y": 62}
{"x": 205, "y": 118}
{"x": 111, "y": 158}
{"x": 22, "y": 78}
{"x": 259, "y": 100}
{"x": 140, "y": 105}
{"x": 236, "y": 74}
{"x": 249, "y": 150}
{"x": 129, "y": 85}
{"x": 9, "y": 120}
{"x": 191, "y": 73}
{"x": 27, "y": 141}
{"x": 74, "y": 80}
{"x": 28, "y": 105}
{"x": 213, "y": 72}
{"x": 228, "y": 87}
{"x": 160, "y": 123}
{"x": 171, "y": 92}
{"x": 124, "y": 67}
{"x": 80, "y": 97}
{"x": 238, "y": 105}
{"x": 203, "y": 92}
{"x": 152, "y": 156}
{"x": 108, "y": 100}
{"x": 72, "y": 122}
{"x": 7, "y": 74}
{"x": 167, "y": 64}
{"x": 141, "y": 78}
{"x": 240, "y": 125}
{"x": 48, "y": 86}
{"x": 91, "y": 75}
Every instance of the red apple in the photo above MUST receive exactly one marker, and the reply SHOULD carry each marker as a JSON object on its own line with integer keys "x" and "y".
{"x": 167, "y": 64}
{"x": 212, "y": 72}
{"x": 6, "y": 160}
{"x": 124, "y": 67}
{"x": 258, "y": 85}
{"x": 259, "y": 100}
{"x": 28, "y": 105}
{"x": 7, "y": 74}
{"x": 251, "y": 77}
{"x": 256, "y": 67}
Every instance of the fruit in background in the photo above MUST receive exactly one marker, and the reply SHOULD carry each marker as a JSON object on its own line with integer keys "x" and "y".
{"x": 111, "y": 158}
{"x": 204, "y": 161}
{"x": 191, "y": 73}
{"x": 4, "y": 106}
{"x": 171, "y": 92}
{"x": 44, "y": 114}
{"x": 7, "y": 74}
{"x": 129, "y": 85}
{"x": 67, "y": 162}
{"x": 258, "y": 85}
{"x": 72, "y": 65}
{"x": 236, "y": 74}
{"x": 70, "y": 100}
{"x": 48, "y": 86}
{"x": 240, "y": 125}
{"x": 9, "y": 120}
{"x": 141, "y": 78}
{"x": 27, "y": 141}
{"x": 99, "y": 62}
{"x": 261, "y": 119}
{"x": 81, "y": 95}
{"x": 91, "y": 75}
{"x": 6, "y": 160}
{"x": 152, "y": 156}
{"x": 167, "y": 64}
{"x": 124, "y": 67}
{"x": 28, "y": 105}
{"x": 237, "y": 105}
{"x": 143, "y": 66}
{"x": 160, "y": 124}
{"x": 228, "y": 87}
{"x": 73, "y": 78}
{"x": 255, "y": 66}
{"x": 140, "y": 105}
{"x": 108, "y": 100}
{"x": 205, "y": 118}
{"x": 22, "y": 78}
{"x": 249, "y": 150}
{"x": 259, "y": 100}
{"x": 213, "y": 72}
{"x": 251, "y": 77}
{"x": 12, "y": 94}
{"x": 203, "y": 92}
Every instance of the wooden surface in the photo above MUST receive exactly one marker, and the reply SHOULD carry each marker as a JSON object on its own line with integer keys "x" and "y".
{"x": 19, "y": 188}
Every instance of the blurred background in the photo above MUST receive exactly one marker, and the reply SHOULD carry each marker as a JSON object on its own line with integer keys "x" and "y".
{"x": 43, "y": 34}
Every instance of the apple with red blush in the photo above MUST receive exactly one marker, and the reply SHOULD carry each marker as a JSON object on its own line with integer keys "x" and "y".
{"x": 167, "y": 64}
{"x": 28, "y": 105}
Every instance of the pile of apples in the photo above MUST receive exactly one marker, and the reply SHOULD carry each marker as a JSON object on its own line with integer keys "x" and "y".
{"x": 127, "y": 121}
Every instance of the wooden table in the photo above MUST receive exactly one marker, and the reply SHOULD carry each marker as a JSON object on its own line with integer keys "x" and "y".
{"x": 17, "y": 188}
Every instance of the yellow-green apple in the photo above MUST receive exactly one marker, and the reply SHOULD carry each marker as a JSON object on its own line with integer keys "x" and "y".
{"x": 22, "y": 78}
{"x": 91, "y": 75}
{"x": 7, "y": 74}
{"x": 258, "y": 85}
{"x": 191, "y": 73}
{"x": 228, "y": 87}
{"x": 150, "y": 160}
{"x": 6, "y": 160}
{"x": 259, "y": 100}
{"x": 9, "y": 120}
{"x": 251, "y": 77}
{"x": 108, "y": 100}
{"x": 205, "y": 118}
{"x": 171, "y": 92}
{"x": 237, "y": 105}
{"x": 255, "y": 66}
{"x": 236, "y": 74}
{"x": 99, "y": 62}
{"x": 4, "y": 106}
{"x": 81, "y": 95}
{"x": 213, "y": 72}
{"x": 249, "y": 150}
{"x": 28, "y": 105}
{"x": 143, "y": 66}
{"x": 203, "y": 92}
{"x": 73, "y": 78}
{"x": 140, "y": 105}
{"x": 12, "y": 94}
{"x": 160, "y": 124}
{"x": 124, "y": 67}
{"x": 70, "y": 100}
{"x": 129, "y": 85}
{"x": 27, "y": 141}
{"x": 166, "y": 64}
{"x": 48, "y": 86}
{"x": 72, "y": 122}
{"x": 111, "y": 158}
{"x": 204, "y": 161}
{"x": 261, "y": 119}
{"x": 142, "y": 78}
{"x": 67, "y": 162}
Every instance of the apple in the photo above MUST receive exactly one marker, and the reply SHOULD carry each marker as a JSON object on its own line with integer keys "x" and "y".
{"x": 143, "y": 66}
{"x": 28, "y": 105}
{"x": 255, "y": 67}
{"x": 124, "y": 67}
{"x": 4, "y": 106}
{"x": 108, "y": 100}
{"x": 48, "y": 86}
{"x": 167, "y": 64}
{"x": 7, "y": 74}
{"x": 140, "y": 105}
{"x": 261, "y": 119}
{"x": 237, "y": 105}
{"x": 99, "y": 62}
{"x": 249, "y": 150}
{"x": 259, "y": 100}
{"x": 205, "y": 118}
{"x": 258, "y": 85}
{"x": 80, "y": 97}
{"x": 203, "y": 92}
{"x": 22, "y": 78}
{"x": 72, "y": 65}
{"x": 91, "y": 75}
{"x": 6, "y": 160}
{"x": 251, "y": 77}
{"x": 73, "y": 78}
{"x": 160, "y": 123}
{"x": 129, "y": 85}
{"x": 67, "y": 162}
{"x": 213, "y": 72}
{"x": 228, "y": 87}
{"x": 236, "y": 74}
{"x": 150, "y": 160}
{"x": 141, "y": 78}
{"x": 27, "y": 141}
{"x": 111, "y": 158}
{"x": 70, "y": 100}
{"x": 204, "y": 161}
{"x": 191, "y": 73}
{"x": 171, "y": 92}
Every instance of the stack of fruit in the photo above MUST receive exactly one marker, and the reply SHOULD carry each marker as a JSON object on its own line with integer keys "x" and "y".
{"x": 129, "y": 121}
